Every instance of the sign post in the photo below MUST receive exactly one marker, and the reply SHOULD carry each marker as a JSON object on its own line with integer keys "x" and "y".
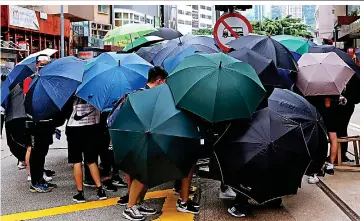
{"x": 230, "y": 26}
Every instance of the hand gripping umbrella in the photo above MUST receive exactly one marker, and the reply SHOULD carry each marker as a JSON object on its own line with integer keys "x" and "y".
{"x": 216, "y": 87}
{"x": 273, "y": 146}
{"x": 295, "y": 107}
{"x": 153, "y": 141}
{"x": 50, "y": 90}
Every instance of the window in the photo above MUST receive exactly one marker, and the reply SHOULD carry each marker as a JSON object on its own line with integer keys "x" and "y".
{"x": 136, "y": 17}
{"x": 142, "y": 19}
{"x": 195, "y": 7}
{"x": 188, "y": 22}
{"x": 117, "y": 15}
{"x": 188, "y": 13}
{"x": 118, "y": 23}
{"x": 195, "y": 24}
{"x": 203, "y": 16}
{"x": 202, "y": 7}
{"x": 209, "y": 26}
{"x": 203, "y": 25}
{"x": 195, "y": 15}
{"x": 181, "y": 22}
{"x": 209, "y": 8}
{"x": 148, "y": 21}
{"x": 180, "y": 12}
{"x": 125, "y": 15}
{"x": 125, "y": 22}
{"x": 209, "y": 17}
{"x": 102, "y": 9}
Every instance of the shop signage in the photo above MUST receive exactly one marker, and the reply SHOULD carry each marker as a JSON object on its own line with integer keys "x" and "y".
{"x": 23, "y": 17}
{"x": 85, "y": 54}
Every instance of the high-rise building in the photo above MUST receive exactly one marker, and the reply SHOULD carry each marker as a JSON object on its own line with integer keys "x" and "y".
{"x": 276, "y": 11}
{"x": 295, "y": 11}
{"x": 259, "y": 12}
{"x": 129, "y": 14}
{"x": 308, "y": 13}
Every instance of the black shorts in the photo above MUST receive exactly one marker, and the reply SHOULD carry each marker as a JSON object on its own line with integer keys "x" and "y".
{"x": 83, "y": 141}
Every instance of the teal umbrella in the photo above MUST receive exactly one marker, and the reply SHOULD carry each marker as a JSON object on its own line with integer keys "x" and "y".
{"x": 216, "y": 87}
{"x": 293, "y": 43}
{"x": 153, "y": 141}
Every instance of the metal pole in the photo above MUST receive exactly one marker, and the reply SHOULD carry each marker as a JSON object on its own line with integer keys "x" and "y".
{"x": 335, "y": 32}
{"x": 62, "y": 32}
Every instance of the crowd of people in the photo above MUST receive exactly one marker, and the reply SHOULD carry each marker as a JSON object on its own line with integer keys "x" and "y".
{"x": 89, "y": 140}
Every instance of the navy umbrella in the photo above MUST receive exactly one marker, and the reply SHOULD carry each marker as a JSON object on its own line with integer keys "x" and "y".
{"x": 148, "y": 53}
{"x": 173, "y": 47}
{"x": 297, "y": 108}
{"x": 251, "y": 161}
{"x": 17, "y": 75}
{"x": 51, "y": 89}
{"x": 166, "y": 33}
{"x": 265, "y": 68}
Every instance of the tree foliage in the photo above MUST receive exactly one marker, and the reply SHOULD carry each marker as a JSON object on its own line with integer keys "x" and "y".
{"x": 203, "y": 31}
{"x": 286, "y": 25}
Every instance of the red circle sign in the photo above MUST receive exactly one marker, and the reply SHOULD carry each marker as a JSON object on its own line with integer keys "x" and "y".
{"x": 230, "y": 26}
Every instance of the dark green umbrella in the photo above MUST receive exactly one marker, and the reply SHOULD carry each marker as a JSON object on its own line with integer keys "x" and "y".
{"x": 216, "y": 87}
{"x": 153, "y": 141}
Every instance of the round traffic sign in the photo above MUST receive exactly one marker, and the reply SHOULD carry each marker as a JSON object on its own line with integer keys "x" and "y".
{"x": 229, "y": 27}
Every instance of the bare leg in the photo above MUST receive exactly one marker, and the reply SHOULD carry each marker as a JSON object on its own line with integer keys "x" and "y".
{"x": 142, "y": 195}
{"x": 77, "y": 172}
{"x": 333, "y": 147}
{"x": 185, "y": 186}
{"x": 94, "y": 170}
{"x": 128, "y": 181}
{"x": 136, "y": 189}
{"x": 27, "y": 157}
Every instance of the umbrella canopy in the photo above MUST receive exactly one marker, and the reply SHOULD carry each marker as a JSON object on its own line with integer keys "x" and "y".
{"x": 17, "y": 75}
{"x": 296, "y": 56}
{"x": 216, "y": 87}
{"x": 141, "y": 42}
{"x": 32, "y": 57}
{"x": 153, "y": 141}
{"x": 264, "y": 67}
{"x": 357, "y": 54}
{"x": 148, "y": 53}
{"x": 172, "y": 62}
{"x": 166, "y": 33}
{"x": 15, "y": 108}
{"x": 173, "y": 47}
{"x": 128, "y": 32}
{"x": 269, "y": 48}
{"x": 273, "y": 146}
{"x": 295, "y": 107}
{"x": 111, "y": 77}
{"x": 322, "y": 74}
{"x": 51, "y": 89}
{"x": 296, "y": 44}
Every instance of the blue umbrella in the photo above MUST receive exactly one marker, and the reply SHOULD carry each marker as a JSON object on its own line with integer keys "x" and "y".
{"x": 109, "y": 79}
{"x": 51, "y": 89}
{"x": 357, "y": 54}
{"x": 296, "y": 55}
{"x": 172, "y": 62}
{"x": 17, "y": 75}
{"x": 173, "y": 47}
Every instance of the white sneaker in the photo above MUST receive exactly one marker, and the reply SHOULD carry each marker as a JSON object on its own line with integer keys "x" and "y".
{"x": 21, "y": 165}
{"x": 47, "y": 178}
{"x": 29, "y": 178}
{"x": 313, "y": 179}
{"x": 228, "y": 194}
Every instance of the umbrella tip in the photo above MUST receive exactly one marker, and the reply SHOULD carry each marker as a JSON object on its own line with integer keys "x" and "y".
{"x": 220, "y": 64}
{"x": 119, "y": 63}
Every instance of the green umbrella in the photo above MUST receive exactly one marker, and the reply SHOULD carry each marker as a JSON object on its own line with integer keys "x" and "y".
{"x": 142, "y": 41}
{"x": 153, "y": 141}
{"x": 296, "y": 44}
{"x": 216, "y": 87}
{"x": 128, "y": 32}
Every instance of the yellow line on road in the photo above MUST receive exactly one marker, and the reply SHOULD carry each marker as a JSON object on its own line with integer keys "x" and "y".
{"x": 169, "y": 208}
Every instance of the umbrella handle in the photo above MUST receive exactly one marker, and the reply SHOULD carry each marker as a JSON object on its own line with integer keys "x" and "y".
{"x": 227, "y": 128}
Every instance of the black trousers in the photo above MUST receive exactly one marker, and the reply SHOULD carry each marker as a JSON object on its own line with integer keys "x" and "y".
{"x": 37, "y": 160}
{"x": 107, "y": 156}
{"x": 18, "y": 138}
{"x": 2, "y": 123}
{"x": 345, "y": 112}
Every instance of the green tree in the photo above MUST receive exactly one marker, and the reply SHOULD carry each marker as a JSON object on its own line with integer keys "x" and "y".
{"x": 203, "y": 31}
{"x": 286, "y": 25}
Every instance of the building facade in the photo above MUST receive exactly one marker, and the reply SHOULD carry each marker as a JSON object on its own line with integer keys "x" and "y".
{"x": 295, "y": 11}
{"x": 129, "y": 14}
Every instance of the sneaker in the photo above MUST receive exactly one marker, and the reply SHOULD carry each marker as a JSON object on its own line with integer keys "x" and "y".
{"x": 123, "y": 200}
{"x": 22, "y": 165}
{"x": 133, "y": 214}
{"x": 101, "y": 194}
{"x": 50, "y": 173}
{"x": 79, "y": 197}
{"x": 194, "y": 204}
{"x": 88, "y": 183}
{"x": 329, "y": 169}
{"x": 228, "y": 194}
{"x": 313, "y": 179}
{"x": 192, "y": 191}
{"x": 187, "y": 207}
{"x": 346, "y": 159}
{"x": 276, "y": 203}
{"x": 107, "y": 185}
{"x": 240, "y": 210}
{"x": 50, "y": 185}
{"x": 47, "y": 178}
{"x": 117, "y": 181}
{"x": 144, "y": 210}
{"x": 39, "y": 188}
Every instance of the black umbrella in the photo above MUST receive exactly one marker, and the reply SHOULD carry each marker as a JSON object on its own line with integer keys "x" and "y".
{"x": 166, "y": 33}
{"x": 148, "y": 53}
{"x": 352, "y": 92}
{"x": 254, "y": 161}
{"x": 269, "y": 48}
{"x": 265, "y": 68}
{"x": 15, "y": 108}
{"x": 297, "y": 108}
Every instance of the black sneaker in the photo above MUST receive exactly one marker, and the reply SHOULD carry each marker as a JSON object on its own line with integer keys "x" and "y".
{"x": 79, "y": 197}
{"x": 107, "y": 185}
{"x": 89, "y": 183}
{"x": 133, "y": 214}
{"x": 330, "y": 171}
{"x": 117, "y": 181}
{"x": 50, "y": 185}
{"x": 240, "y": 210}
{"x": 143, "y": 209}
{"x": 123, "y": 200}
{"x": 276, "y": 203}
{"x": 101, "y": 194}
{"x": 50, "y": 173}
{"x": 194, "y": 204}
{"x": 187, "y": 207}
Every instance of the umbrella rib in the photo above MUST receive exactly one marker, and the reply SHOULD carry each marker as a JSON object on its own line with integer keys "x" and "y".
{"x": 155, "y": 105}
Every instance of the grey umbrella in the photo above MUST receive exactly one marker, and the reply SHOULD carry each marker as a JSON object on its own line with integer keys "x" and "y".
{"x": 15, "y": 108}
